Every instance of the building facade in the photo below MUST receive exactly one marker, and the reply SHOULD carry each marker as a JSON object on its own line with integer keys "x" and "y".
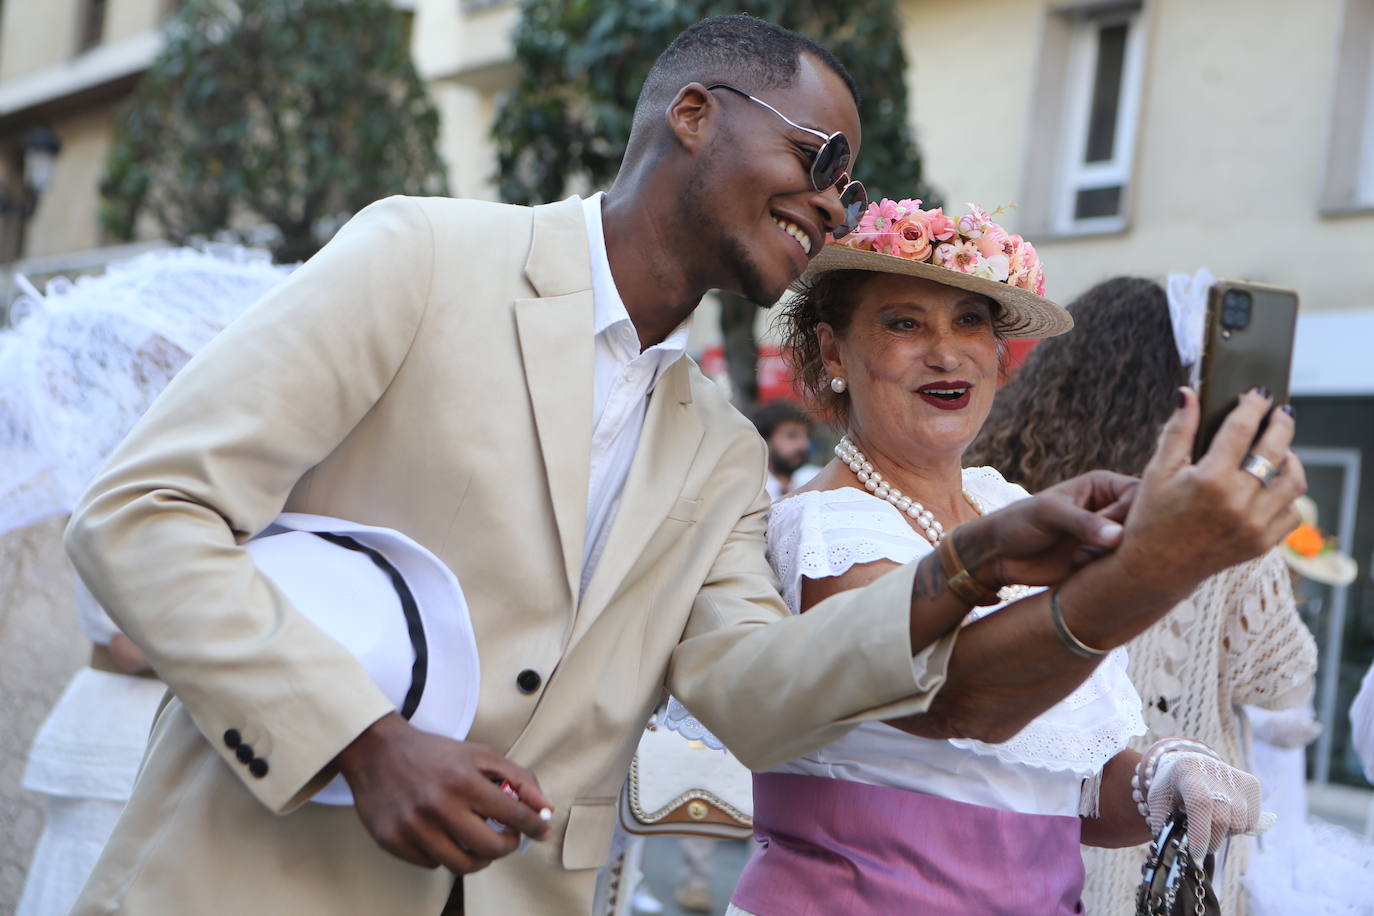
{"x": 1147, "y": 137}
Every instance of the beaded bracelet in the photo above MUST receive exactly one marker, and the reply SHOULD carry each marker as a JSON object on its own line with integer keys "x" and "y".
{"x": 1149, "y": 763}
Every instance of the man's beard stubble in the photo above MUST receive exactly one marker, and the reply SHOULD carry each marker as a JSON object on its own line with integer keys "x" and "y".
{"x": 734, "y": 254}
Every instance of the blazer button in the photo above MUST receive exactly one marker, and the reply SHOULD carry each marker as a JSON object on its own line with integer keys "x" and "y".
{"x": 258, "y": 767}
{"x": 244, "y": 752}
{"x": 528, "y": 680}
{"x": 232, "y": 738}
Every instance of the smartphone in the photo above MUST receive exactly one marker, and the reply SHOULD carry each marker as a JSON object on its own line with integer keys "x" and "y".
{"x": 1247, "y": 343}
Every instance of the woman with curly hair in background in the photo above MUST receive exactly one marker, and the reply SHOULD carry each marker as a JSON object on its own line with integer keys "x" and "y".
{"x": 1097, "y": 398}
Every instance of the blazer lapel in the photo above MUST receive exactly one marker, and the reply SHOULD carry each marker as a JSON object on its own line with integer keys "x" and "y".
{"x": 556, "y": 344}
{"x": 667, "y": 447}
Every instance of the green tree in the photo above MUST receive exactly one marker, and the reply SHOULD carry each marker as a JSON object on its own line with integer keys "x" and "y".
{"x": 293, "y": 113}
{"x": 582, "y": 62}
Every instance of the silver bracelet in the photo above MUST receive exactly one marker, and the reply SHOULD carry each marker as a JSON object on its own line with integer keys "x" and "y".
{"x": 1073, "y": 643}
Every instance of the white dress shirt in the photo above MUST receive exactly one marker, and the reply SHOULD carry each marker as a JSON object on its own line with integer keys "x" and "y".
{"x": 624, "y": 379}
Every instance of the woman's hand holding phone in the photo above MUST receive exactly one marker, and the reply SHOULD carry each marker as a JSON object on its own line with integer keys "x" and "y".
{"x": 1192, "y": 520}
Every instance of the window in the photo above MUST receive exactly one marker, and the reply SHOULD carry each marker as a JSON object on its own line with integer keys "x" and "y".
{"x": 92, "y": 25}
{"x": 1100, "y": 108}
{"x": 1364, "y": 191}
{"x": 1349, "y": 180}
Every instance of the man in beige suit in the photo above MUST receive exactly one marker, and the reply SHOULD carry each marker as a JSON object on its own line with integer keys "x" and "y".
{"x": 506, "y": 386}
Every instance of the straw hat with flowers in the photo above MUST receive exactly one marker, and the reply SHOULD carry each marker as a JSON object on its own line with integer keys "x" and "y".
{"x": 1310, "y": 553}
{"x": 972, "y": 253}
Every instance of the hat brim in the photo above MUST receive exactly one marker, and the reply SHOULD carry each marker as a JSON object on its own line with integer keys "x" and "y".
{"x": 1024, "y": 314}
{"x": 1330, "y": 567}
{"x": 448, "y": 703}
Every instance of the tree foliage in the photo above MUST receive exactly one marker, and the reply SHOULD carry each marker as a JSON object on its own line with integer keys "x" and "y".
{"x": 294, "y": 113}
{"x": 582, "y": 62}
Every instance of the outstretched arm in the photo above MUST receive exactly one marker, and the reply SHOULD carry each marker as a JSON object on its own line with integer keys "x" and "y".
{"x": 1186, "y": 522}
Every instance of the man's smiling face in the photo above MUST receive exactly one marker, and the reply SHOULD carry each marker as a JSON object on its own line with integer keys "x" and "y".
{"x": 751, "y": 193}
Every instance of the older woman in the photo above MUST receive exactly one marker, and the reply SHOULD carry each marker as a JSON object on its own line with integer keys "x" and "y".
{"x": 899, "y": 335}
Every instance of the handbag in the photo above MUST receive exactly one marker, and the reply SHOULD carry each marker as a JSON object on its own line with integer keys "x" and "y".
{"x": 1172, "y": 883}
{"x": 680, "y": 785}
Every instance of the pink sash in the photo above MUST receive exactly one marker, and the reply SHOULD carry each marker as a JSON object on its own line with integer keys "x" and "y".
{"x": 831, "y": 846}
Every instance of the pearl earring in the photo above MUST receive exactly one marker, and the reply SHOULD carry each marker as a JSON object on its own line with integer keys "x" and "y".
{"x": 838, "y": 385}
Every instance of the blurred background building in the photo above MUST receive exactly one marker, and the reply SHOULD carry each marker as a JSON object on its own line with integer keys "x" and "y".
{"x": 1130, "y": 137}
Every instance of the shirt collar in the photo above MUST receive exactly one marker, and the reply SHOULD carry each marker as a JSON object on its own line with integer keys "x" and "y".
{"x": 608, "y": 308}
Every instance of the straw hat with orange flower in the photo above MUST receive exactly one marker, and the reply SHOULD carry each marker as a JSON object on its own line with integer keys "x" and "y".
{"x": 1312, "y": 554}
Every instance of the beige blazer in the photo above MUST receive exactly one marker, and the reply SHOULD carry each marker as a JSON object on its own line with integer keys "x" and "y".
{"x": 431, "y": 371}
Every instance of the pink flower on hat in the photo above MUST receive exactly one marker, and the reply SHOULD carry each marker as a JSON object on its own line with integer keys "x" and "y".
{"x": 913, "y": 237}
{"x": 962, "y": 255}
{"x": 875, "y": 230}
{"x": 973, "y": 245}
{"x": 975, "y": 222}
{"x": 1025, "y": 265}
{"x": 906, "y": 207}
{"x": 938, "y": 227}
{"x": 995, "y": 241}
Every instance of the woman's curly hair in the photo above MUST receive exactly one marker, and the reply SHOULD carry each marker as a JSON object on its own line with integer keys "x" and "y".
{"x": 1092, "y": 398}
{"x": 830, "y": 298}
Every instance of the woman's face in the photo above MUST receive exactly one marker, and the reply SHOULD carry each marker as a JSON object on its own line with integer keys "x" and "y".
{"x": 921, "y": 362}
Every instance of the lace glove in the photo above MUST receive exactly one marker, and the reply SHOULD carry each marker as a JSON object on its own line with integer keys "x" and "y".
{"x": 1289, "y": 728}
{"x": 1219, "y": 799}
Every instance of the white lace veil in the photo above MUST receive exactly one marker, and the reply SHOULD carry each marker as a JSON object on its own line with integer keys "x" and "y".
{"x": 83, "y": 361}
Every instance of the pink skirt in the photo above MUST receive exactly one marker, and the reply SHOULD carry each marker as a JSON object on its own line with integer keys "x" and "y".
{"x": 831, "y": 846}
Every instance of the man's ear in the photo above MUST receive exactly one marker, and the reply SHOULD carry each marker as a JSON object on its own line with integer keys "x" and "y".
{"x": 691, "y": 114}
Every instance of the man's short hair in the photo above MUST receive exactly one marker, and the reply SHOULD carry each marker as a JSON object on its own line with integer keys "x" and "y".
{"x": 775, "y": 413}
{"x": 742, "y": 50}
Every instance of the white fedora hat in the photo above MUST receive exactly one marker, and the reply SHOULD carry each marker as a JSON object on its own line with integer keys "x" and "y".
{"x": 392, "y": 604}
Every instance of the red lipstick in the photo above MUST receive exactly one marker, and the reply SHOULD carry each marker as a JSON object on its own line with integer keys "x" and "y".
{"x": 946, "y": 395}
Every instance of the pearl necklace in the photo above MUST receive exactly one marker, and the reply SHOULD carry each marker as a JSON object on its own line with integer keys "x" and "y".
{"x": 930, "y": 527}
{"x": 874, "y": 483}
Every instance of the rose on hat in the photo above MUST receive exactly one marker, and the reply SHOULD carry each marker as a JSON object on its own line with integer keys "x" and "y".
{"x": 972, "y": 253}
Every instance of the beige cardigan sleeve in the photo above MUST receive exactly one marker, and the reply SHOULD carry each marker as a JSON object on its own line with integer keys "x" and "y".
{"x": 737, "y": 666}
{"x": 1271, "y": 655}
{"x": 158, "y": 536}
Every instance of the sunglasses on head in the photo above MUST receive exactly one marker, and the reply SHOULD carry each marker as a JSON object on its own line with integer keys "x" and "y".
{"x": 829, "y": 166}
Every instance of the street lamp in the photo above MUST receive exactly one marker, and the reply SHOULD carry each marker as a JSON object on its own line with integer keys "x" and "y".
{"x": 40, "y": 152}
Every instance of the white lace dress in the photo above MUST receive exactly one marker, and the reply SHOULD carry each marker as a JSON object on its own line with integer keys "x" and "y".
{"x": 1044, "y": 768}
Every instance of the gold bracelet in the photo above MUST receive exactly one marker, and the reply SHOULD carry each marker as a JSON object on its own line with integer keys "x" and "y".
{"x": 961, "y": 582}
{"x": 1073, "y": 643}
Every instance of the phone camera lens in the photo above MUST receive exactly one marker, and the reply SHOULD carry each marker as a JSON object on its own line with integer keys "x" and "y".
{"x": 1235, "y": 309}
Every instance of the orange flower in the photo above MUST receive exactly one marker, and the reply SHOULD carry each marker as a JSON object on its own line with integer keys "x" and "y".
{"x": 1306, "y": 541}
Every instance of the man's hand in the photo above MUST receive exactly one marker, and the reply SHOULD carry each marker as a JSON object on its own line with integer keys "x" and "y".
{"x": 1042, "y": 540}
{"x": 1191, "y": 521}
{"x": 425, "y": 798}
